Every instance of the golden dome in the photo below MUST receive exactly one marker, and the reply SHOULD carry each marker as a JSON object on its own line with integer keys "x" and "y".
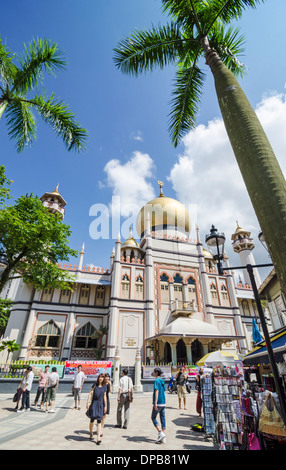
{"x": 207, "y": 254}
{"x": 166, "y": 213}
{"x": 130, "y": 241}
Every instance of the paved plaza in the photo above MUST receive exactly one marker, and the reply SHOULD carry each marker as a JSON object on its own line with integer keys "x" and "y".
{"x": 67, "y": 428}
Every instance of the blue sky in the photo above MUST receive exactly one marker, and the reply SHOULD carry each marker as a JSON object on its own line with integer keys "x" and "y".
{"x": 129, "y": 148}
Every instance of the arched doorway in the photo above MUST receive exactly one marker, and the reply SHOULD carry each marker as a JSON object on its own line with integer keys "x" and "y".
{"x": 181, "y": 352}
{"x": 167, "y": 353}
{"x": 197, "y": 351}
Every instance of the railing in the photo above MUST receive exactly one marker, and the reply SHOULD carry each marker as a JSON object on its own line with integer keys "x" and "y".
{"x": 183, "y": 306}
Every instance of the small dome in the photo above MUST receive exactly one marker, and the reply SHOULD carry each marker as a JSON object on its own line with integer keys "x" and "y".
{"x": 130, "y": 242}
{"x": 166, "y": 212}
{"x": 207, "y": 254}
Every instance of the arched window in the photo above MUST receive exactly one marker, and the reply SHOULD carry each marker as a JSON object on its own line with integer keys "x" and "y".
{"x": 48, "y": 336}
{"x": 192, "y": 293}
{"x": 47, "y": 295}
{"x": 245, "y": 308}
{"x": 139, "y": 288}
{"x": 164, "y": 286}
{"x": 224, "y": 295}
{"x": 178, "y": 279}
{"x": 178, "y": 287}
{"x": 214, "y": 294}
{"x": 83, "y": 337}
{"x": 125, "y": 287}
{"x": 65, "y": 296}
{"x": 99, "y": 297}
{"x": 84, "y": 294}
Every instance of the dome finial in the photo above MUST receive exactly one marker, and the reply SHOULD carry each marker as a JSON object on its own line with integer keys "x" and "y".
{"x": 161, "y": 184}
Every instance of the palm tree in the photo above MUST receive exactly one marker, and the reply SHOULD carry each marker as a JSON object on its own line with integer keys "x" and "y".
{"x": 11, "y": 347}
{"x": 19, "y": 75}
{"x": 200, "y": 30}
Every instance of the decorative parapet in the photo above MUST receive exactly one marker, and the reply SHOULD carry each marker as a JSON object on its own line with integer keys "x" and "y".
{"x": 85, "y": 269}
{"x": 132, "y": 261}
{"x": 243, "y": 286}
{"x": 214, "y": 271}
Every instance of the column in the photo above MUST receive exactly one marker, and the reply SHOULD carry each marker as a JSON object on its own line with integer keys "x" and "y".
{"x": 173, "y": 344}
{"x": 188, "y": 342}
{"x": 137, "y": 385}
{"x": 116, "y": 370}
{"x": 115, "y": 294}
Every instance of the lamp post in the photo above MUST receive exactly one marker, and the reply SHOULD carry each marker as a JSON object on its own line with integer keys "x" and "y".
{"x": 3, "y": 262}
{"x": 217, "y": 240}
{"x": 273, "y": 364}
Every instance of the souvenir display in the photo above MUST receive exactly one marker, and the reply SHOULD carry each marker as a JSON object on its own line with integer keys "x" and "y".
{"x": 206, "y": 391}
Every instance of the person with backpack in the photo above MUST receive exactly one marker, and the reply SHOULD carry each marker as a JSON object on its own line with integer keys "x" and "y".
{"x": 159, "y": 405}
{"x": 181, "y": 379}
{"x": 53, "y": 383}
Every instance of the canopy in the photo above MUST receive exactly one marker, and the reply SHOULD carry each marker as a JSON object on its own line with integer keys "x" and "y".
{"x": 259, "y": 354}
{"x": 225, "y": 357}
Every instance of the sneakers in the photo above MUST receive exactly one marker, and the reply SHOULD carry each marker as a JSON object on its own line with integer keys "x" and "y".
{"x": 51, "y": 411}
{"x": 161, "y": 438}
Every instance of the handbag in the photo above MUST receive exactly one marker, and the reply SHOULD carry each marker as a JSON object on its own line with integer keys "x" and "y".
{"x": 270, "y": 422}
{"x": 188, "y": 388}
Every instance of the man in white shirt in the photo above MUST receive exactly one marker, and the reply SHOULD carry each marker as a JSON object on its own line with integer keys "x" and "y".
{"x": 125, "y": 397}
{"x": 26, "y": 386}
{"x": 77, "y": 386}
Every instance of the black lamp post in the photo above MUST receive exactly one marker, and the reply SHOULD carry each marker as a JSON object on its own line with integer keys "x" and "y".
{"x": 3, "y": 262}
{"x": 263, "y": 242}
{"x": 215, "y": 239}
{"x": 215, "y": 236}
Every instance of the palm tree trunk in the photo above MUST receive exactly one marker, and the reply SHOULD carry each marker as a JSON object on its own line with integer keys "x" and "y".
{"x": 259, "y": 167}
{"x": 3, "y": 106}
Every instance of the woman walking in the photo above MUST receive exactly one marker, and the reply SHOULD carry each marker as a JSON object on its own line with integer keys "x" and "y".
{"x": 96, "y": 406}
{"x": 198, "y": 388}
{"x": 107, "y": 383}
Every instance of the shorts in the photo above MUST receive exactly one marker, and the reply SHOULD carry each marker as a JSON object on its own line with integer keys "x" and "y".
{"x": 182, "y": 391}
{"x": 51, "y": 394}
{"x": 77, "y": 393}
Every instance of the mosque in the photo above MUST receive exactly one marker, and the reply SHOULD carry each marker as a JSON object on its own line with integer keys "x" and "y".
{"x": 161, "y": 297}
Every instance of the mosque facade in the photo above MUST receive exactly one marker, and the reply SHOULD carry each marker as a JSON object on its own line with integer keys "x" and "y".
{"x": 161, "y": 297}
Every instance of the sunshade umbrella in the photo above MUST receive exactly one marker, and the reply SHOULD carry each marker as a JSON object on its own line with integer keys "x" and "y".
{"x": 219, "y": 356}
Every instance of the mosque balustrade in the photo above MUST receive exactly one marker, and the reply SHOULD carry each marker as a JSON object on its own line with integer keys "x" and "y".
{"x": 182, "y": 307}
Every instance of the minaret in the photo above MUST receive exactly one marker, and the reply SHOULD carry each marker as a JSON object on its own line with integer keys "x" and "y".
{"x": 80, "y": 263}
{"x": 54, "y": 202}
{"x": 243, "y": 245}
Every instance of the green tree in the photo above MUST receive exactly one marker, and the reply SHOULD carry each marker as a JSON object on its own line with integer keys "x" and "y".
{"x": 20, "y": 75}
{"x": 202, "y": 30}
{"x": 11, "y": 346}
{"x": 5, "y": 307}
{"x": 35, "y": 241}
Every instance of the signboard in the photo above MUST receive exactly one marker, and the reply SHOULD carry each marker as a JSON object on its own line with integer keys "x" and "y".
{"x": 148, "y": 371}
{"x": 39, "y": 368}
{"x": 192, "y": 371}
{"x": 91, "y": 369}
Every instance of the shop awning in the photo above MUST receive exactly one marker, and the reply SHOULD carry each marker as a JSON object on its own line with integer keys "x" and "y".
{"x": 259, "y": 354}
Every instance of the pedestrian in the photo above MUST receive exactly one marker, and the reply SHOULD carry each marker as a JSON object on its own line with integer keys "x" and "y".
{"x": 199, "y": 401}
{"x": 78, "y": 382}
{"x": 26, "y": 386}
{"x": 125, "y": 397}
{"x": 42, "y": 387}
{"x": 181, "y": 380}
{"x": 52, "y": 387}
{"x": 159, "y": 405}
{"x": 107, "y": 383}
{"x": 96, "y": 407}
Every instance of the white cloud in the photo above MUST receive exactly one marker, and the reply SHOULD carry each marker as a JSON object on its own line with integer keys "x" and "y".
{"x": 137, "y": 136}
{"x": 207, "y": 174}
{"x": 130, "y": 186}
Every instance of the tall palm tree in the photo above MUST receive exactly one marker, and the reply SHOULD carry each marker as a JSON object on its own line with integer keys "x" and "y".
{"x": 200, "y": 29}
{"x": 19, "y": 76}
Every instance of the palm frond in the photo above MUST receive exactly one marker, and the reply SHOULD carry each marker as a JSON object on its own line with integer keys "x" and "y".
{"x": 187, "y": 93}
{"x": 62, "y": 120}
{"x": 21, "y": 123}
{"x": 40, "y": 56}
{"x": 7, "y": 68}
{"x": 144, "y": 50}
{"x": 229, "y": 45}
{"x": 228, "y": 10}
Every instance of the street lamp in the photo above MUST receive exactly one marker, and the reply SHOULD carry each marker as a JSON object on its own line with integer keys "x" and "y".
{"x": 215, "y": 239}
{"x": 213, "y": 236}
{"x": 3, "y": 262}
{"x": 263, "y": 242}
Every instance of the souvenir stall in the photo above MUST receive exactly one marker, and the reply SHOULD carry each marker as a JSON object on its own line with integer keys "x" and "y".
{"x": 207, "y": 400}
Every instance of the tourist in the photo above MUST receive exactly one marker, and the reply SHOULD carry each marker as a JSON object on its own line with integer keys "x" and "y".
{"x": 199, "y": 401}
{"x": 26, "y": 386}
{"x": 78, "y": 382}
{"x": 96, "y": 407}
{"x": 125, "y": 397}
{"x": 42, "y": 387}
{"x": 181, "y": 380}
{"x": 53, "y": 384}
{"x": 107, "y": 383}
{"x": 159, "y": 404}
